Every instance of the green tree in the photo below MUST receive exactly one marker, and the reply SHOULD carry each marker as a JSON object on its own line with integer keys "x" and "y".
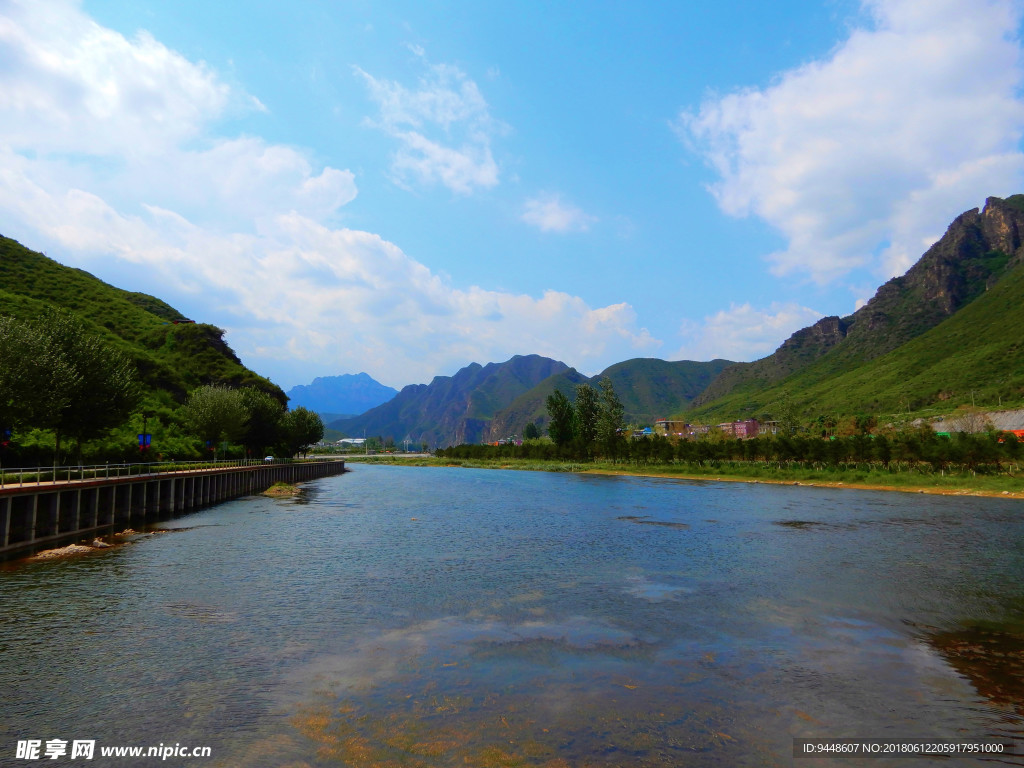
{"x": 530, "y": 431}
{"x": 263, "y": 420}
{"x": 865, "y": 423}
{"x": 610, "y": 419}
{"x": 826, "y": 424}
{"x": 883, "y": 450}
{"x": 786, "y": 416}
{"x": 103, "y": 390}
{"x": 35, "y": 379}
{"x": 560, "y": 418}
{"x": 587, "y": 410}
{"x": 1011, "y": 445}
{"x": 214, "y": 413}
{"x": 302, "y": 428}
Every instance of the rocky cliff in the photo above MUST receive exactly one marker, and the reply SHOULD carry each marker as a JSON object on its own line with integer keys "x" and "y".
{"x": 977, "y": 249}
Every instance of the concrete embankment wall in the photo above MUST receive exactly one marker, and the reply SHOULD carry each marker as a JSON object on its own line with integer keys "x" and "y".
{"x": 37, "y": 517}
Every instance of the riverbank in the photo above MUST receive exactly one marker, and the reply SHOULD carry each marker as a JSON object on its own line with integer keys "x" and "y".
{"x": 877, "y": 479}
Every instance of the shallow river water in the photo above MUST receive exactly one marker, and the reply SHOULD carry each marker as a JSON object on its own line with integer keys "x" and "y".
{"x": 455, "y": 617}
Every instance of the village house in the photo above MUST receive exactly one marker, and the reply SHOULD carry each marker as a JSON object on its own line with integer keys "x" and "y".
{"x": 671, "y": 428}
{"x": 741, "y": 430}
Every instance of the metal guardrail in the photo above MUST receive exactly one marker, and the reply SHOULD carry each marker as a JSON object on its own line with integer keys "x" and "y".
{"x": 26, "y": 476}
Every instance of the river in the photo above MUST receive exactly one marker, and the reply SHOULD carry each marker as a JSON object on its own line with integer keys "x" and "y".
{"x": 421, "y": 616}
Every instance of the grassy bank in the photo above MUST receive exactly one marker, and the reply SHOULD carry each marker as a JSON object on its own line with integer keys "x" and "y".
{"x": 921, "y": 480}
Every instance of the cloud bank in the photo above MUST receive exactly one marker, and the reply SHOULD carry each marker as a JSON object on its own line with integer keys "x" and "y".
{"x": 862, "y": 159}
{"x": 109, "y": 153}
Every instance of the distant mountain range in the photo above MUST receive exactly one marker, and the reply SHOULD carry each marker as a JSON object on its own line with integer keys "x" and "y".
{"x": 345, "y": 396}
{"x": 487, "y": 403}
{"x": 946, "y": 333}
{"x": 452, "y": 409}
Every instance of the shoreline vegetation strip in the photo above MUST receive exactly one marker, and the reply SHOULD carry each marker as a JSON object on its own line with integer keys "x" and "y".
{"x": 1005, "y": 486}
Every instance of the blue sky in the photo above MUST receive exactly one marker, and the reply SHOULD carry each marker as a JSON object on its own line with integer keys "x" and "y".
{"x": 403, "y": 188}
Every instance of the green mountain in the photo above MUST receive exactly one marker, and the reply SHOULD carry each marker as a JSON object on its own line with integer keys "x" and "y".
{"x": 652, "y": 389}
{"x": 452, "y": 409}
{"x": 173, "y": 354}
{"x": 531, "y": 406}
{"x": 925, "y": 341}
{"x": 649, "y": 389}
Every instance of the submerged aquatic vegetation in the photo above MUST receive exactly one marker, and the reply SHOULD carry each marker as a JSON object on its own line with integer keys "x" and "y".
{"x": 991, "y": 656}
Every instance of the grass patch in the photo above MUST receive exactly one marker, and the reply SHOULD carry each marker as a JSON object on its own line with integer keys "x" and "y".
{"x": 282, "y": 491}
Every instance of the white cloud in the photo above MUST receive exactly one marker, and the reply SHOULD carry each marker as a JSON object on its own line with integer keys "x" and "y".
{"x": 71, "y": 85}
{"x": 743, "y": 332}
{"x": 548, "y": 213}
{"x": 243, "y": 179}
{"x": 244, "y": 226}
{"x": 129, "y": 120}
{"x": 301, "y": 298}
{"x": 460, "y": 169}
{"x": 863, "y": 158}
{"x": 443, "y": 126}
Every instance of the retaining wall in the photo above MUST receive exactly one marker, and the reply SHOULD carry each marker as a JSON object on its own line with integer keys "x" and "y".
{"x": 37, "y": 517}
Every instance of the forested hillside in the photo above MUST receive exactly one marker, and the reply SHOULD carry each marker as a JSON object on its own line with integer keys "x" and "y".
{"x": 171, "y": 354}
{"x": 173, "y": 357}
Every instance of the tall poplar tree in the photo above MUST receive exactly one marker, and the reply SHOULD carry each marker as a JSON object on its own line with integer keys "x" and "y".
{"x": 610, "y": 421}
{"x": 587, "y": 411}
{"x": 561, "y": 417}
